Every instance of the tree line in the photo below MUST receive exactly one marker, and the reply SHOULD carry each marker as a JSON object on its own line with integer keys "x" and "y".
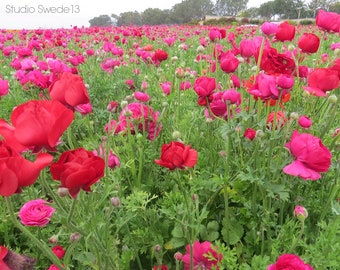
{"x": 195, "y": 10}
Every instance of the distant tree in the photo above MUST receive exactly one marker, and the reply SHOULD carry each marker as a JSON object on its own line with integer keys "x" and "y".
{"x": 315, "y": 5}
{"x": 229, "y": 7}
{"x": 129, "y": 18}
{"x": 154, "y": 16}
{"x": 267, "y": 10}
{"x": 114, "y": 19}
{"x": 335, "y": 7}
{"x": 102, "y": 20}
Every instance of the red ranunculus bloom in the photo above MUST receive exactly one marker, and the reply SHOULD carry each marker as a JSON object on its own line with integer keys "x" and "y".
{"x": 273, "y": 62}
{"x": 3, "y": 254}
{"x": 40, "y": 123}
{"x": 204, "y": 88}
{"x": 177, "y": 155}
{"x": 17, "y": 172}
{"x": 322, "y": 80}
{"x": 329, "y": 21}
{"x": 59, "y": 251}
{"x": 205, "y": 256}
{"x": 280, "y": 120}
{"x": 159, "y": 56}
{"x": 291, "y": 262}
{"x": 36, "y": 213}
{"x": 250, "y": 134}
{"x": 311, "y": 156}
{"x": 285, "y": 32}
{"x": 78, "y": 169}
{"x": 69, "y": 89}
{"x": 309, "y": 43}
{"x": 160, "y": 267}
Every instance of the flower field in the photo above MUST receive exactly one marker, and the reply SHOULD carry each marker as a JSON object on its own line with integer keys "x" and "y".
{"x": 171, "y": 147}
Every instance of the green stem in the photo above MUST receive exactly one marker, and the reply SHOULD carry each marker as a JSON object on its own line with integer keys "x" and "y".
{"x": 331, "y": 118}
{"x": 45, "y": 249}
{"x": 299, "y": 236}
{"x": 70, "y": 214}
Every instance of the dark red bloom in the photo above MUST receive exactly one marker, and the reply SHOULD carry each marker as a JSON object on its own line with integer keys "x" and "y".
{"x": 204, "y": 88}
{"x": 40, "y": 123}
{"x": 273, "y": 62}
{"x": 78, "y": 169}
{"x": 159, "y": 55}
{"x": 16, "y": 171}
{"x": 250, "y": 134}
{"x": 177, "y": 155}
{"x": 309, "y": 43}
{"x": 276, "y": 120}
{"x": 69, "y": 89}
{"x": 285, "y": 32}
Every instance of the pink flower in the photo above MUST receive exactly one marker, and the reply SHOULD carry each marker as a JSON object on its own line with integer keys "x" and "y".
{"x": 205, "y": 256}
{"x": 185, "y": 85}
{"x": 269, "y": 28}
{"x": 311, "y": 156}
{"x": 265, "y": 87}
{"x": 300, "y": 212}
{"x": 53, "y": 267}
{"x": 4, "y": 86}
{"x": 229, "y": 62}
{"x": 141, "y": 96}
{"x": 84, "y": 108}
{"x": 305, "y": 122}
{"x": 204, "y": 88}
{"x": 247, "y": 48}
{"x": 36, "y": 213}
{"x": 166, "y": 88}
{"x": 291, "y": 262}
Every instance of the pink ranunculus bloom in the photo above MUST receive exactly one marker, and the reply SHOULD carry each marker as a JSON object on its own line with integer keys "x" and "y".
{"x": 300, "y": 212}
{"x": 291, "y": 262}
{"x": 205, "y": 256}
{"x": 285, "y": 81}
{"x": 141, "y": 96}
{"x": 185, "y": 85}
{"x": 249, "y": 134}
{"x": 228, "y": 62}
{"x": 84, "y": 108}
{"x": 265, "y": 87}
{"x": 304, "y": 122}
{"x": 269, "y": 28}
{"x": 166, "y": 88}
{"x": 231, "y": 96}
{"x": 36, "y": 213}
{"x": 247, "y": 48}
{"x": 311, "y": 156}
{"x": 328, "y": 21}
{"x": 204, "y": 88}
{"x": 4, "y": 87}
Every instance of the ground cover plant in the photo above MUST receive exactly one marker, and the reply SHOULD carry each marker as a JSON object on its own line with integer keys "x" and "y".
{"x": 171, "y": 147}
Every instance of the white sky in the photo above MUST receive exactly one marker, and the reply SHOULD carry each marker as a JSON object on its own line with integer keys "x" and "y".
{"x": 30, "y": 14}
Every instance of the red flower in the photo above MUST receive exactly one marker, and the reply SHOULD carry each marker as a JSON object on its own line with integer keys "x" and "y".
{"x": 285, "y": 32}
{"x": 204, "y": 88}
{"x": 59, "y": 251}
{"x": 280, "y": 120}
{"x": 311, "y": 156}
{"x": 177, "y": 155}
{"x": 273, "y": 62}
{"x": 159, "y": 56}
{"x": 160, "y": 267}
{"x": 40, "y": 123}
{"x": 78, "y": 169}
{"x": 205, "y": 256}
{"x": 322, "y": 80}
{"x": 17, "y": 172}
{"x": 3, "y": 254}
{"x": 69, "y": 89}
{"x": 329, "y": 21}
{"x": 309, "y": 43}
{"x": 250, "y": 134}
{"x": 289, "y": 261}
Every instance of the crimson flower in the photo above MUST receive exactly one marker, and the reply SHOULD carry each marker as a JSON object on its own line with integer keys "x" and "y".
{"x": 3, "y": 254}
{"x": 59, "y": 251}
{"x": 40, "y": 123}
{"x": 228, "y": 62}
{"x": 289, "y": 261}
{"x": 328, "y": 21}
{"x": 78, "y": 169}
{"x": 309, "y": 43}
{"x": 177, "y": 155}
{"x": 310, "y": 156}
{"x": 205, "y": 256}
{"x": 250, "y": 134}
{"x": 285, "y": 32}
{"x": 204, "y": 88}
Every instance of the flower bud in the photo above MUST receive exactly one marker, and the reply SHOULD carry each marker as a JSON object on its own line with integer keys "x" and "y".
{"x": 176, "y": 134}
{"x": 178, "y": 256}
{"x": 332, "y": 99}
{"x": 157, "y": 248}
{"x": 75, "y": 237}
{"x": 294, "y": 115}
{"x": 53, "y": 239}
{"x": 115, "y": 201}
{"x": 62, "y": 192}
{"x": 300, "y": 212}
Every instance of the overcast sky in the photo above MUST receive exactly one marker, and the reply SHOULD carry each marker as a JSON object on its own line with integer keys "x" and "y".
{"x": 29, "y": 14}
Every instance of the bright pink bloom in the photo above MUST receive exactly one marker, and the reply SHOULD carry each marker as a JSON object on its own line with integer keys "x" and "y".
{"x": 329, "y": 21}
{"x": 141, "y": 96}
{"x": 185, "y": 85}
{"x": 36, "y": 213}
{"x": 228, "y": 62}
{"x": 289, "y": 262}
{"x": 300, "y": 212}
{"x": 204, "y": 88}
{"x": 205, "y": 256}
{"x": 231, "y": 96}
{"x": 265, "y": 87}
{"x": 311, "y": 156}
{"x": 269, "y": 28}
{"x": 247, "y": 48}
{"x": 304, "y": 122}
{"x": 166, "y": 88}
{"x": 215, "y": 34}
{"x": 84, "y": 108}
{"x": 4, "y": 87}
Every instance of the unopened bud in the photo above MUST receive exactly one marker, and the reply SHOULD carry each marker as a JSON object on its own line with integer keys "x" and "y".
{"x": 75, "y": 237}
{"x": 332, "y": 99}
{"x": 115, "y": 201}
{"x": 62, "y": 192}
{"x": 300, "y": 213}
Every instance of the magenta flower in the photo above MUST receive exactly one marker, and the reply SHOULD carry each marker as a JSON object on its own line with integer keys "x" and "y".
{"x": 36, "y": 213}
{"x": 166, "y": 88}
{"x": 205, "y": 256}
{"x": 269, "y": 28}
{"x": 4, "y": 86}
{"x": 300, "y": 212}
{"x": 311, "y": 156}
{"x": 304, "y": 122}
{"x": 141, "y": 96}
{"x": 289, "y": 261}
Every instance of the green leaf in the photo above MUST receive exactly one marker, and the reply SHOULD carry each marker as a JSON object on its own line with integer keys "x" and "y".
{"x": 232, "y": 230}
